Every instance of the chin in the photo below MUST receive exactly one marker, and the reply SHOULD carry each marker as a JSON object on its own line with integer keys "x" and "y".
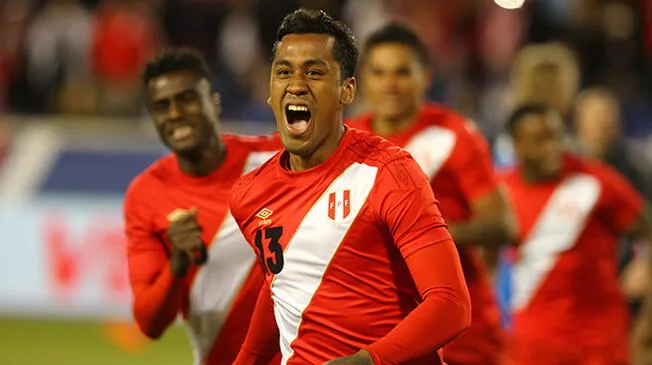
{"x": 186, "y": 148}
{"x": 297, "y": 147}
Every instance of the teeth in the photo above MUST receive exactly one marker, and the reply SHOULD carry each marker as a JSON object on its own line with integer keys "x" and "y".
{"x": 297, "y": 108}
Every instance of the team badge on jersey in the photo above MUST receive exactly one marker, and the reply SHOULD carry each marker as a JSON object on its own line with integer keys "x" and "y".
{"x": 339, "y": 205}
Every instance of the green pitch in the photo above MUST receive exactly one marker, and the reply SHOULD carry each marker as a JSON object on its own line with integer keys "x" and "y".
{"x": 50, "y": 342}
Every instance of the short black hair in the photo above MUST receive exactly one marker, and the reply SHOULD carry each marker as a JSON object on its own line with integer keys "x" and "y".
{"x": 176, "y": 59}
{"x": 524, "y": 110}
{"x": 396, "y": 32}
{"x": 305, "y": 21}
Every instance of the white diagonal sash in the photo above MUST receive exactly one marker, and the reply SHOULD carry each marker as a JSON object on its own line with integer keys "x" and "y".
{"x": 431, "y": 148}
{"x": 311, "y": 249}
{"x": 559, "y": 225}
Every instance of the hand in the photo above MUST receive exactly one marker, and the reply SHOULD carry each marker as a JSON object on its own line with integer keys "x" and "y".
{"x": 642, "y": 341}
{"x": 362, "y": 357}
{"x": 184, "y": 234}
{"x": 635, "y": 278}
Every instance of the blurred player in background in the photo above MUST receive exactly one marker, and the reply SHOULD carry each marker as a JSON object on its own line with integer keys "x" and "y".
{"x": 186, "y": 255}
{"x": 456, "y": 159}
{"x": 567, "y": 303}
{"x": 361, "y": 268}
{"x": 546, "y": 73}
{"x": 598, "y": 124}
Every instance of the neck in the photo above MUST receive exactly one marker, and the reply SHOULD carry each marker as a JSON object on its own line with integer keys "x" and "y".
{"x": 534, "y": 177}
{"x": 204, "y": 162}
{"x": 300, "y": 163}
{"x": 387, "y": 126}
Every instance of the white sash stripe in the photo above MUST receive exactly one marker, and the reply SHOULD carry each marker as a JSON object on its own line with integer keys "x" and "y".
{"x": 310, "y": 251}
{"x": 559, "y": 226}
{"x": 216, "y": 285}
{"x": 431, "y": 148}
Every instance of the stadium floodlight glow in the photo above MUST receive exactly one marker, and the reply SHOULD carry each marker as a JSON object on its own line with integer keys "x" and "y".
{"x": 509, "y": 4}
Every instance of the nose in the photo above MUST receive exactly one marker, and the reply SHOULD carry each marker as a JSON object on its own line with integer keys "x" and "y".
{"x": 390, "y": 83}
{"x": 175, "y": 110}
{"x": 297, "y": 86}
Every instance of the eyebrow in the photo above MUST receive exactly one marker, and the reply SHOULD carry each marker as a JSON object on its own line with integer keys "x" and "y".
{"x": 308, "y": 63}
{"x": 175, "y": 95}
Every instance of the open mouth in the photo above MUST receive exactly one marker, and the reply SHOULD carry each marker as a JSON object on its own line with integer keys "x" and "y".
{"x": 181, "y": 132}
{"x": 298, "y": 117}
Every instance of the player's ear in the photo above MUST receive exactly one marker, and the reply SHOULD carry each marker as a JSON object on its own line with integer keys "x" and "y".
{"x": 217, "y": 102}
{"x": 269, "y": 101}
{"x": 349, "y": 87}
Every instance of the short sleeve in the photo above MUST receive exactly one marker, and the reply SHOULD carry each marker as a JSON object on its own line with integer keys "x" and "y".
{"x": 474, "y": 167}
{"x": 622, "y": 203}
{"x": 235, "y": 202}
{"x": 405, "y": 204}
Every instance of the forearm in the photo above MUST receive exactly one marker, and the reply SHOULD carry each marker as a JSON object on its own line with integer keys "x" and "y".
{"x": 156, "y": 305}
{"x": 262, "y": 341}
{"x": 444, "y": 313}
{"x": 491, "y": 231}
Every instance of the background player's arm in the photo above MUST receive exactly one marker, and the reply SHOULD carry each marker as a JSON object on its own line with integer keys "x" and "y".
{"x": 406, "y": 205}
{"x": 492, "y": 223}
{"x": 262, "y": 341}
{"x": 629, "y": 213}
{"x": 158, "y": 294}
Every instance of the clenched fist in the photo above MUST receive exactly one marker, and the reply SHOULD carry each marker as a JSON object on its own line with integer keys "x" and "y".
{"x": 184, "y": 234}
{"x": 362, "y": 357}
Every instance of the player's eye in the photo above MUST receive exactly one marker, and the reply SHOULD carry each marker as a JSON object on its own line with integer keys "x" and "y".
{"x": 160, "y": 106}
{"x": 188, "y": 96}
{"x": 403, "y": 72}
{"x": 314, "y": 73}
{"x": 283, "y": 72}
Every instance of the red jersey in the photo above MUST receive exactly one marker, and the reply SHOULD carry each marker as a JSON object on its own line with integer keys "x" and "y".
{"x": 457, "y": 160}
{"x": 217, "y": 298}
{"x": 567, "y": 301}
{"x": 337, "y": 242}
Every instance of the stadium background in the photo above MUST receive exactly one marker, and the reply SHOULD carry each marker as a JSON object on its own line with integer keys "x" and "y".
{"x": 74, "y": 132}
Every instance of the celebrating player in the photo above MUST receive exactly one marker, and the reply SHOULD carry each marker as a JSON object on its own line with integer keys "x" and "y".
{"x": 456, "y": 158}
{"x": 345, "y": 224}
{"x": 568, "y": 307}
{"x": 177, "y": 216}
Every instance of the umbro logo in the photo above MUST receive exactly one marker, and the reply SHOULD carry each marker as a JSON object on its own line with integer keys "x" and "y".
{"x": 264, "y": 215}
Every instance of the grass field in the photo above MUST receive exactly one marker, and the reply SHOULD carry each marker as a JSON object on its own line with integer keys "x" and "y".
{"x": 54, "y": 342}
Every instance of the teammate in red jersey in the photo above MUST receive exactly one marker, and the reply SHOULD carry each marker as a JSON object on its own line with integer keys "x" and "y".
{"x": 457, "y": 160}
{"x": 568, "y": 307}
{"x": 177, "y": 210}
{"x": 360, "y": 266}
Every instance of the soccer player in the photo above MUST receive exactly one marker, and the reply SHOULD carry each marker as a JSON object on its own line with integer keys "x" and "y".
{"x": 456, "y": 159}
{"x": 360, "y": 266}
{"x": 568, "y": 307}
{"x": 186, "y": 254}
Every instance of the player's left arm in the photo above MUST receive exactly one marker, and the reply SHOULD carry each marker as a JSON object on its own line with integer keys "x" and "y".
{"x": 631, "y": 215}
{"x": 492, "y": 223}
{"x": 406, "y": 205}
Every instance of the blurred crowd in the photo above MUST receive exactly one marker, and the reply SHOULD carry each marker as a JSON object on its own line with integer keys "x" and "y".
{"x": 85, "y": 56}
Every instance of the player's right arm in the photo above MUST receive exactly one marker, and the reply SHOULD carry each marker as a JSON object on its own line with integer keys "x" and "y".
{"x": 158, "y": 294}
